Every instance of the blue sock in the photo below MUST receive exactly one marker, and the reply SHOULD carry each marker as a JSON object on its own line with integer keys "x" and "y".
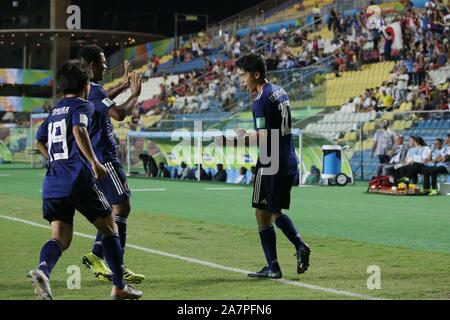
{"x": 98, "y": 246}
{"x": 50, "y": 253}
{"x": 285, "y": 224}
{"x": 269, "y": 244}
{"x": 114, "y": 258}
{"x": 122, "y": 226}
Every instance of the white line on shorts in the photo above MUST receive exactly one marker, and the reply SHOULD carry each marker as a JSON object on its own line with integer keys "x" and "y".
{"x": 224, "y": 188}
{"x": 145, "y": 190}
{"x": 212, "y": 264}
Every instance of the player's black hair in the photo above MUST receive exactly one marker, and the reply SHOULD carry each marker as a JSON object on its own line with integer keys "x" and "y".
{"x": 252, "y": 63}
{"x": 72, "y": 76}
{"x": 440, "y": 140}
{"x": 90, "y": 53}
{"x": 420, "y": 141}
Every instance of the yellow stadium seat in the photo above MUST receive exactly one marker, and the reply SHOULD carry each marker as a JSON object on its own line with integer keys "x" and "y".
{"x": 388, "y": 116}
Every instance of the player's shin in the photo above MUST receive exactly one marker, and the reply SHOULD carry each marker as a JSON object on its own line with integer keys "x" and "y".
{"x": 50, "y": 253}
{"x": 114, "y": 257}
{"x": 285, "y": 224}
{"x": 97, "y": 249}
{"x": 269, "y": 245}
{"x": 122, "y": 228}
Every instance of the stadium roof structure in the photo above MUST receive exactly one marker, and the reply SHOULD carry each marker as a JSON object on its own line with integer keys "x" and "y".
{"x": 104, "y": 38}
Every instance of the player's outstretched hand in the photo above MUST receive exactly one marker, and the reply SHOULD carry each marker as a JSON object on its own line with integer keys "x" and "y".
{"x": 135, "y": 84}
{"x": 99, "y": 170}
{"x": 126, "y": 73}
{"x": 240, "y": 133}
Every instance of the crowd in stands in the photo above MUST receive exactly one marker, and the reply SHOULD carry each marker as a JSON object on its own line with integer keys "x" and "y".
{"x": 194, "y": 91}
{"x": 425, "y": 49}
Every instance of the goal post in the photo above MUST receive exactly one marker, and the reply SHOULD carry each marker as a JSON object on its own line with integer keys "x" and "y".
{"x": 195, "y": 148}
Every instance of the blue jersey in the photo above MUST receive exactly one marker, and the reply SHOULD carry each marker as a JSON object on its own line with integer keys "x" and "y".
{"x": 271, "y": 111}
{"x": 68, "y": 171}
{"x": 102, "y": 133}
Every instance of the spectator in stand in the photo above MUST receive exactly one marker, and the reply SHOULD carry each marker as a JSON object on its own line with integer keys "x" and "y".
{"x": 385, "y": 102}
{"x": 242, "y": 178}
{"x": 163, "y": 172}
{"x": 349, "y": 107}
{"x": 383, "y": 142}
{"x": 183, "y": 172}
{"x": 175, "y": 58}
{"x": 314, "y": 176}
{"x": 439, "y": 163}
{"x": 151, "y": 170}
{"x": 397, "y": 155}
{"x": 409, "y": 65}
{"x": 182, "y": 54}
{"x": 418, "y": 154}
{"x": 203, "y": 174}
{"x": 401, "y": 78}
{"x": 221, "y": 174}
{"x": 155, "y": 65}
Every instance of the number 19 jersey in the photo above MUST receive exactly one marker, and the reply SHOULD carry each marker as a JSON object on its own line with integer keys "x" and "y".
{"x": 68, "y": 171}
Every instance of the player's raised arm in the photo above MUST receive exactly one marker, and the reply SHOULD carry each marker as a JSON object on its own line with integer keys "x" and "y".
{"x": 113, "y": 93}
{"x": 84, "y": 144}
{"x": 120, "y": 112}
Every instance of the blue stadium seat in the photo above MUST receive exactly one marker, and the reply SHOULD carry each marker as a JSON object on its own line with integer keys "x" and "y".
{"x": 420, "y": 124}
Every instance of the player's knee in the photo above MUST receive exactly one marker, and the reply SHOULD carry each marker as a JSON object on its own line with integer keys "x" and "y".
{"x": 263, "y": 217}
{"x": 106, "y": 225}
{"x": 123, "y": 209}
{"x": 66, "y": 244}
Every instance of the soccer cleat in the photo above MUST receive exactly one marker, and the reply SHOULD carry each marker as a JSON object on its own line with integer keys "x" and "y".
{"x": 266, "y": 273}
{"x": 127, "y": 293}
{"x": 303, "y": 258}
{"x": 41, "y": 284}
{"x": 433, "y": 192}
{"x": 98, "y": 267}
{"x": 130, "y": 276}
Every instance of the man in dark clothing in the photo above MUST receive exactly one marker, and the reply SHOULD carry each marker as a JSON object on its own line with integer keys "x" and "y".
{"x": 163, "y": 172}
{"x": 221, "y": 174}
{"x": 149, "y": 165}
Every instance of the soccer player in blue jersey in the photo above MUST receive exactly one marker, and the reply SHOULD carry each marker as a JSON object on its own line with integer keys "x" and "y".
{"x": 70, "y": 185}
{"x": 276, "y": 171}
{"x": 114, "y": 186}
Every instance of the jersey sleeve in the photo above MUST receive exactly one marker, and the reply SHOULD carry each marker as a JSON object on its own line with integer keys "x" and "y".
{"x": 259, "y": 113}
{"x": 42, "y": 133}
{"x": 100, "y": 99}
{"x": 82, "y": 115}
{"x": 426, "y": 153}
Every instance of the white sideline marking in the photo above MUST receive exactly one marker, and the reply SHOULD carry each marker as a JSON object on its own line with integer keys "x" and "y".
{"x": 5, "y": 175}
{"x": 211, "y": 264}
{"x": 143, "y": 190}
{"x": 231, "y": 188}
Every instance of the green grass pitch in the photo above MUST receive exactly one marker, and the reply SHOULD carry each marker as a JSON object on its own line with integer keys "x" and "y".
{"x": 194, "y": 241}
